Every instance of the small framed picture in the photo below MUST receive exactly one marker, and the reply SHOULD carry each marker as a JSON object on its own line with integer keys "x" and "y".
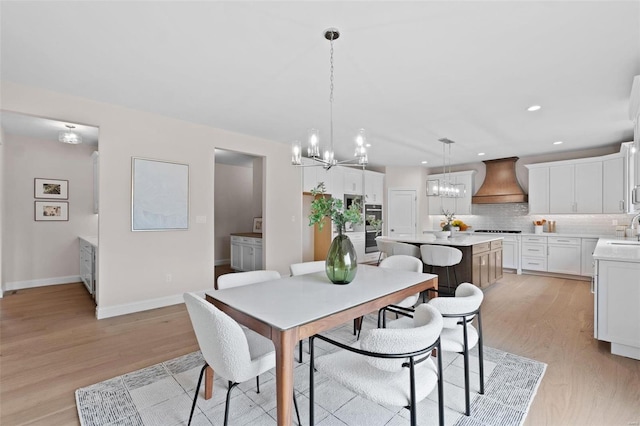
{"x": 51, "y": 188}
{"x": 51, "y": 211}
{"x": 257, "y": 224}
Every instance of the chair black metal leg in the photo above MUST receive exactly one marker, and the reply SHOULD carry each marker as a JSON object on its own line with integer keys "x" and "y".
{"x": 359, "y": 322}
{"x": 300, "y": 351}
{"x": 295, "y": 404}
{"x": 465, "y": 354}
{"x": 311, "y": 367}
{"x": 258, "y": 384}
{"x": 195, "y": 397}
{"x": 455, "y": 279}
{"x": 412, "y": 391}
{"x": 226, "y": 406}
{"x": 480, "y": 354}
{"x": 440, "y": 386}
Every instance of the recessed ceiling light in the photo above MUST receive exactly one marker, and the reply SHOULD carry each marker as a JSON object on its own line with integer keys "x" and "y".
{"x": 424, "y": 162}
{"x": 480, "y": 154}
{"x": 557, "y": 142}
{"x": 534, "y": 108}
{"x": 368, "y": 145}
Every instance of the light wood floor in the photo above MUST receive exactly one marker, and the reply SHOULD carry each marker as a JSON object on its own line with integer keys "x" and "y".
{"x": 51, "y": 344}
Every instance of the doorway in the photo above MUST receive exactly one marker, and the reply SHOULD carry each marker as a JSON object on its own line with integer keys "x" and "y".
{"x": 402, "y": 214}
{"x": 238, "y": 201}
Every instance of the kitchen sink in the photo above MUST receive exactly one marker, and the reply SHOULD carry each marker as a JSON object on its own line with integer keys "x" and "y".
{"x": 624, "y": 243}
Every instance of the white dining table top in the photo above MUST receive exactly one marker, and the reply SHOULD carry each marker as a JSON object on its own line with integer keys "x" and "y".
{"x": 293, "y": 301}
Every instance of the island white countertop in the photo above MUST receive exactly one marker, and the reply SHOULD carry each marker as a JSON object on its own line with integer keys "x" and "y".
{"x": 621, "y": 250}
{"x": 459, "y": 239}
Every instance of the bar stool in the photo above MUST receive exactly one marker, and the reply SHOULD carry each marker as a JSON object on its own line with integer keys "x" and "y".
{"x": 406, "y": 250}
{"x": 385, "y": 248}
{"x": 443, "y": 257}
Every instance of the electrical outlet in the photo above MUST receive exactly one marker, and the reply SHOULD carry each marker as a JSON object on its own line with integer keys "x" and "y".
{"x": 614, "y": 222}
{"x": 169, "y": 278}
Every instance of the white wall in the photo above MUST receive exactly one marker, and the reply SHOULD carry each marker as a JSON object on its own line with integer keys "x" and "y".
{"x": 44, "y": 252}
{"x": 2, "y": 136}
{"x": 258, "y": 190}
{"x": 134, "y": 265}
{"x": 233, "y": 200}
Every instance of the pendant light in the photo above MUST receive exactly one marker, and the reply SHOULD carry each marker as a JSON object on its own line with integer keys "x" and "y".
{"x": 444, "y": 187}
{"x": 327, "y": 158}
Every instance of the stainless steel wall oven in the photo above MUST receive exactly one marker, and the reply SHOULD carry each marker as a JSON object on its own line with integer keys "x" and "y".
{"x": 371, "y": 211}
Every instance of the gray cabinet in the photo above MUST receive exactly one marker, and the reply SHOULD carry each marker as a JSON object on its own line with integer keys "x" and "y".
{"x": 88, "y": 265}
{"x": 246, "y": 253}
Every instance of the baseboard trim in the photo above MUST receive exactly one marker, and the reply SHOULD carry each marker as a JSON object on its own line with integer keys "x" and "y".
{"x": 143, "y": 305}
{"x": 222, "y": 262}
{"x": 20, "y": 285}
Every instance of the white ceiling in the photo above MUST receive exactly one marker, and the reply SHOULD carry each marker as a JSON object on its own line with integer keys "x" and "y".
{"x": 408, "y": 72}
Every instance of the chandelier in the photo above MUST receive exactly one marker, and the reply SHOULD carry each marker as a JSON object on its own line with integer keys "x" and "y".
{"x": 445, "y": 187}
{"x": 327, "y": 159}
{"x": 69, "y": 136}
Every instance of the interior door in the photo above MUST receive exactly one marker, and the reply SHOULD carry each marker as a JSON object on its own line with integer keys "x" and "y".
{"x": 401, "y": 217}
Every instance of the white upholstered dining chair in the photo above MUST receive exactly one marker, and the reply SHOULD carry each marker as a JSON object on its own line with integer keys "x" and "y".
{"x": 389, "y": 367}
{"x": 459, "y": 335}
{"x": 230, "y": 350}
{"x": 236, "y": 279}
{"x": 307, "y": 267}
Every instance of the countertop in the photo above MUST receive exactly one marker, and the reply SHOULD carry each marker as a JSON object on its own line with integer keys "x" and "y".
{"x": 247, "y": 234}
{"x": 460, "y": 239}
{"x": 621, "y": 250}
{"x": 544, "y": 234}
{"x": 91, "y": 240}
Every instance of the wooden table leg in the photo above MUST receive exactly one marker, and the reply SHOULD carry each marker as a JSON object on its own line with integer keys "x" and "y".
{"x": 284, "y": 342}
{"x": 208, "y": 383}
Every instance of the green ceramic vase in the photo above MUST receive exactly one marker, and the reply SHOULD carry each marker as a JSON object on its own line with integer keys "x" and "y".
{"x": 342, "y": 262}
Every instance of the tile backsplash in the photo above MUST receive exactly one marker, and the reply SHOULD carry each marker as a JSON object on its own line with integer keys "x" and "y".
{"x": 516, "y": 217}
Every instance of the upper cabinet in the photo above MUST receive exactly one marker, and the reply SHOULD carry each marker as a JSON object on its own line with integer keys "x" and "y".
{"x": 576, "y": 188}
{"x": 373, "y": 187}
{"x": 459, "y": 206}
{"x": 583, "y": 186}
{"x": 352, "y": 179}
{"x": 340, "y": 180}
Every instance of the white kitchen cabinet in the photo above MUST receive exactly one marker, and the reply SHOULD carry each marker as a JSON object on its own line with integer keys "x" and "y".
{"x": 246, "y": 253}
{"x": 564, "y": 255}
{"x": 88, "y": 265}
{"x": 510, "y": 255}
{"x": 588, "y": 245}
{"x": 373, "y": 187}
{"x": 538, "y": 190}
{"x": 352, "y": 181}
{"x": 617, "y": 306}
{"x": 534, "y": 253}
{"x": 313, "y": 174}
{"x": 576, "y": 188}
{"x": 613, "y": 199}
{"x": 459, "y": 206}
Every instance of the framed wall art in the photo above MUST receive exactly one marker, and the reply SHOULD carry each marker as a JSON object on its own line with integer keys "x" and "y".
{"x": 54, "y": 189}
{"x": 159, "y": 195}
{"x": 257, "y": 224}
{"x": 51, "y": 211}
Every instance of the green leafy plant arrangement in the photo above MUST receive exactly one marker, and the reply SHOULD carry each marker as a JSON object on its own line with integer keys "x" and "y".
{"x": 333, "y": 208}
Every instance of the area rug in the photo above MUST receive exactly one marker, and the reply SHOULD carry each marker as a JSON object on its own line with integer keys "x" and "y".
{"x": 162, "y": 395}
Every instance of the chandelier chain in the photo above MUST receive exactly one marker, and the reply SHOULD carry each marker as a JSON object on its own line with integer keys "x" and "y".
{"x": 331, "y": 93}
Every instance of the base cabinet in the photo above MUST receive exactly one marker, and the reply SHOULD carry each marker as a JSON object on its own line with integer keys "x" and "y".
{"x": 246, "y": 253}
{"x": 564, "y": 255}
{"x": 88, "y": 266}
{"x": 486, "y": 263}
{"x": 617, "y": 306}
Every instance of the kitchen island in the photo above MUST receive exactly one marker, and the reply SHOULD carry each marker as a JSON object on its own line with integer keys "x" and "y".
{"x": 481, "y": 262}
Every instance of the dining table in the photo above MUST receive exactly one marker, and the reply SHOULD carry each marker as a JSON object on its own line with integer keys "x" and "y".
{"x": 290, "y": 309}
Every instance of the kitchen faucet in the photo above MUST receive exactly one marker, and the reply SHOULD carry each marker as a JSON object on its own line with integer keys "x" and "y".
{"x": 635, "y": 220}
